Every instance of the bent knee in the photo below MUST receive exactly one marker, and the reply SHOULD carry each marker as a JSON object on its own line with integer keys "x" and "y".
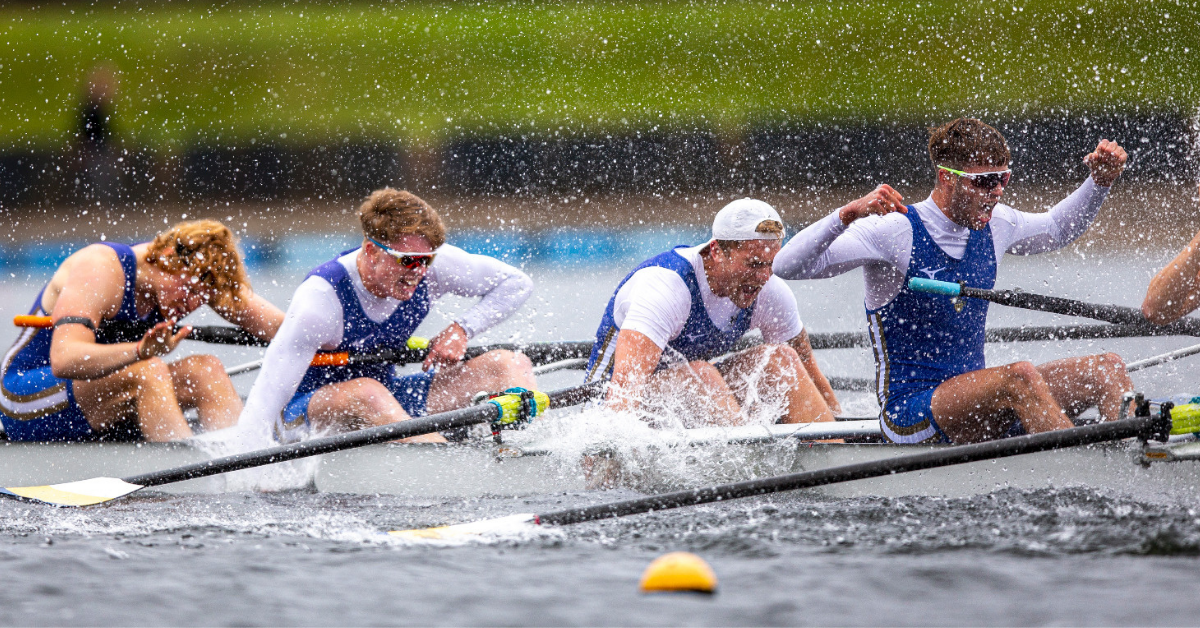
{"x": 706, "y": 372}
{"x": 1023, "y": 375}
{"x": 200, "y": 364}
{"x": 366, "y": 391}
{"x": 151, "y": 369}
{"x": 1111, "y": 362}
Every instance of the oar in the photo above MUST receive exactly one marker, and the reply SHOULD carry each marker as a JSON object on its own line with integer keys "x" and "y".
{"x": 1014, "y": 298}
{"x": 213, "y": 334}
{"x": 505, "y": 409}
{"x": 1156, "y": 427}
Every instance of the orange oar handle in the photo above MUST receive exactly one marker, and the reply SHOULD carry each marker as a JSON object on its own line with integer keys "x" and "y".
{"x": 30, "y": 320}
{"x": 331, "y": 359}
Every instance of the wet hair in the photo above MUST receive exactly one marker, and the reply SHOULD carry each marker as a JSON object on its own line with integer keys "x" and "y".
{"x": 967, "y": 142}
{"x": 773, "y": 227}
{"x": 388, "y": 214}
{"x": 206, "y": 251}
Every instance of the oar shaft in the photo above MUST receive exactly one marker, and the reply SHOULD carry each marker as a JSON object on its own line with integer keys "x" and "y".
{"x": 1072, "y": 437}
{"x": 1115, "y": 314}
{"x": 381, "y": 434}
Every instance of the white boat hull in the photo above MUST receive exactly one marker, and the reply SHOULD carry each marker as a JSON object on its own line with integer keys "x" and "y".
{"x": 1163, "y": 473}
{"x": 407, "y": 471}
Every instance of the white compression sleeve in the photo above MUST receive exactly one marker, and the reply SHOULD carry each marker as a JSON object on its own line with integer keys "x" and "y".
{"x": 1022, "y": 233}
{"x": 503, "y": 288}
{"x": 313, "y": 321}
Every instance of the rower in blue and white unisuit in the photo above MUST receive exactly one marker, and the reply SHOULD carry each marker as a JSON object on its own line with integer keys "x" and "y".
{"x": 933, "y": 384}
{"x": 373, "y": 298}
{"x": 682, "y": 308}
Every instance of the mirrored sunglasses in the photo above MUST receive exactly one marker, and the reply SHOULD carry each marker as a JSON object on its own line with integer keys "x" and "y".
{"x": 983, "y": 180}
{"x": 409, "y": 261}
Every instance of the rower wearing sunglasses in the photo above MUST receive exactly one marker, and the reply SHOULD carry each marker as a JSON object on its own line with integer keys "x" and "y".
{"x": 933, "y": 384}
{"x": 373, "y": 298}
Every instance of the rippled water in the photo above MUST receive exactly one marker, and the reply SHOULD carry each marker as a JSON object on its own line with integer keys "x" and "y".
{"x": 1067, "y": 556}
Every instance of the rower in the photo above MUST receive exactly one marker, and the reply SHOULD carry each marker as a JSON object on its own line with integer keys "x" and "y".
{"x": 678, "y": 310}
{"x": 932, "y": 382}
{"x": 373, "y": 298}
{"x": 1175, "y": 290}
{"x": 99, "y": 372}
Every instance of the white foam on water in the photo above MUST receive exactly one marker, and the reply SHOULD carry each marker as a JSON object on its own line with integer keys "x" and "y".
{"x": 278, "y": 476}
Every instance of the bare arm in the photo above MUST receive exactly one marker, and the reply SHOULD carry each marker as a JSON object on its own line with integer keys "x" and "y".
{"x": 804, "y": 349}
{"x": 1175, "y": 290}
{"x": 634, "y": 361}
{"x": 93, "y": 291}
{"x": 255, "y": 314}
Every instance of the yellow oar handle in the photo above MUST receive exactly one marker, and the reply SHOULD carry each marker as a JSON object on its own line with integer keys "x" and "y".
{"x": 519, "y": 404}
{"x": 31, "y": 320}
{"x": 1185, "y": 418}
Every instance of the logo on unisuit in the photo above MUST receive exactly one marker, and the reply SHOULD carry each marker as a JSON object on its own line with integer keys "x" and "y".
{"x": 931, "y": 272}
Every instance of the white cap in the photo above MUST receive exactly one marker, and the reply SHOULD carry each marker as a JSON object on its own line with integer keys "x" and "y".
{"x": 740, "y": 219}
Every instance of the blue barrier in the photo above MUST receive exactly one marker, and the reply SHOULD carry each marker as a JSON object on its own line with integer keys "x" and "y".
{"x": 301, "y": 253}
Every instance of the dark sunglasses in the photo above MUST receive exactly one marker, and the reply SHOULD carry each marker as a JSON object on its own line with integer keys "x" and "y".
{"x": 410, "y": 261}
{"x": 983, "y": 180}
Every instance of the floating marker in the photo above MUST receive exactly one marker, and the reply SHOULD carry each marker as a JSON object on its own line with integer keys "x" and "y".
{"x": 679, "y": 571}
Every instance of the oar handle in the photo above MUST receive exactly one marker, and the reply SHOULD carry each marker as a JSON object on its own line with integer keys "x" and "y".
{"x": 933, "y": 286}
{"x": 32, "y": 320}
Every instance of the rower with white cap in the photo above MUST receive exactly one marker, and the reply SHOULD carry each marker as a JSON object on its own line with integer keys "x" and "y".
{"x": 678, "y": 310}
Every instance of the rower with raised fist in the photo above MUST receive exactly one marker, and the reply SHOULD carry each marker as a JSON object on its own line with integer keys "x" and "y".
{"x": 100, "y": 371}
{"x": 933, "y": 383}
{"x": 676, "y": 312}
{"x": 372, "y": 298}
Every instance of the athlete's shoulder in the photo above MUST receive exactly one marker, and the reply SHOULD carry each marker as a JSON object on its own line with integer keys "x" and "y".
{"x": 777, "y": 295}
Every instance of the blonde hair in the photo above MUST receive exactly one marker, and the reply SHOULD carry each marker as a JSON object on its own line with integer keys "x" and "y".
{"x": 206, "y": 251}
{"x": 388, "y": 214}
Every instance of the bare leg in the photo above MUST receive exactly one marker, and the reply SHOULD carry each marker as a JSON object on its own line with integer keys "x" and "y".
{"x": 201, "y": 383}
{"x": 357, "y": 404}
{"x": 773, "y": 368}
{"x": 977, "y": 406}
{"x": 144, "y": 390}
{"x": 700, "y": 393}
{"x": 1095, "y": 380}
{"x": 454, "y": 387}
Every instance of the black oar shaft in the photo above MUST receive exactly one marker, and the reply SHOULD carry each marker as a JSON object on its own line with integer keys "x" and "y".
{"x": 381, "y": 434}
{"x": 1070, "y": 307}
{"x": 1072, "y": 437}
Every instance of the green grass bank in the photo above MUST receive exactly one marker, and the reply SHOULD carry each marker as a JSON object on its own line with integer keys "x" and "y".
{"x": 424, "y": 72}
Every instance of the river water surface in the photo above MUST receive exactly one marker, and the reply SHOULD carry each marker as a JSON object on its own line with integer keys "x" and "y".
{"x": 1065, "y": 556}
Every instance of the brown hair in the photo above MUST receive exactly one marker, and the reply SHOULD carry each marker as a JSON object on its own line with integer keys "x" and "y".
{"x": 388, "y": 214}
{"x": 967, "y": 142}
{"x": 773, "y": 227}
{"x": 205, "y": 250}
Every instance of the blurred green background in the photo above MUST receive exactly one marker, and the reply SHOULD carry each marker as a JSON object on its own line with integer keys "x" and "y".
{"x": 424, "y": 72}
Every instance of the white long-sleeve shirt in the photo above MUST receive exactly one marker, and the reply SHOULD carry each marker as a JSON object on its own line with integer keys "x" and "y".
{"x": 314, "y": 322}
{"x": 882, "y": 245}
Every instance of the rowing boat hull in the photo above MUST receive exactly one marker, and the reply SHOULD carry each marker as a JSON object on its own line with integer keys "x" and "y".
{"x": 408, "y": 471}
{"x": 1168, "y": 473}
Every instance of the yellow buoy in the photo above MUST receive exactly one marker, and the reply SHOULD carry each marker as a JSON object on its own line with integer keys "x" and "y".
{"x": 679, "y": 571}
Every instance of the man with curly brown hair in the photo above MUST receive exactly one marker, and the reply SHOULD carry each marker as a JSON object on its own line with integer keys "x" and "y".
{"x": 100, "y": 369}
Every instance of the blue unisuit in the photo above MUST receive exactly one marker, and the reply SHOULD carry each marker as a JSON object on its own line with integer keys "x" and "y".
{"x": 921, "y": 340}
